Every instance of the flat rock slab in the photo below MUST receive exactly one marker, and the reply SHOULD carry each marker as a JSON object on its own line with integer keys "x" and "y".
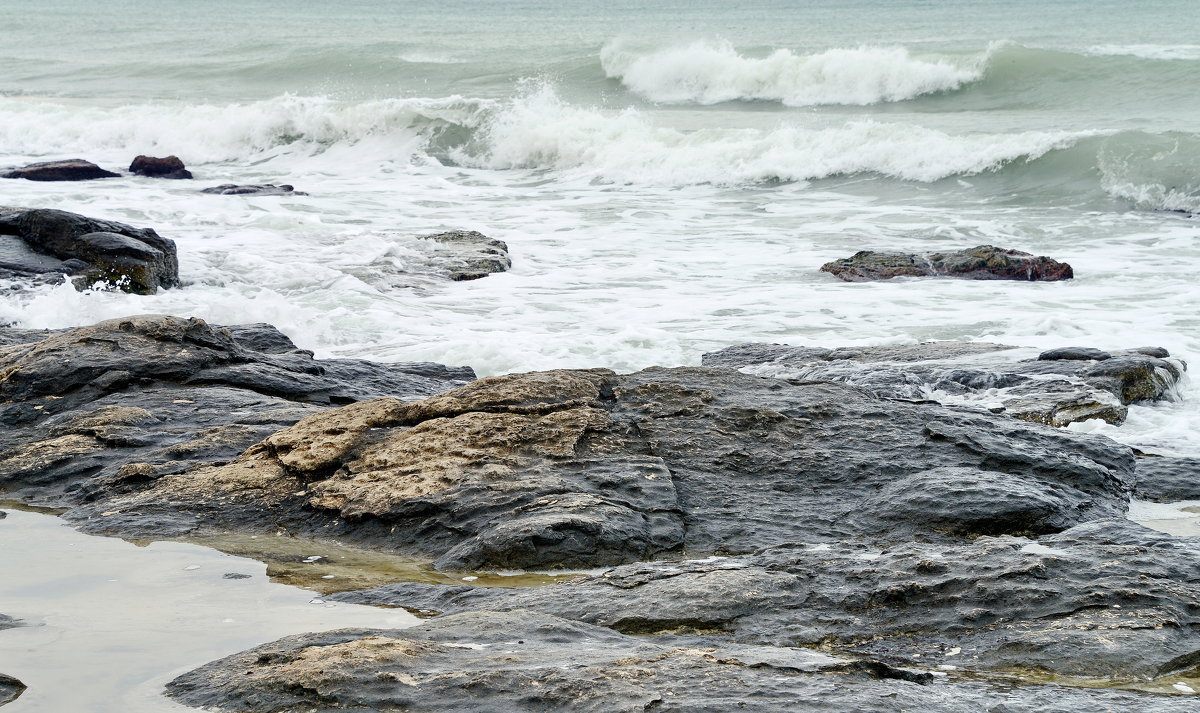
{"x": 588, "y": 468}
{"x": 1109, "y": 599}
{"x": 132, "y": 259}
{"x": 1059, "y": 387}
{"x": 258, "y": 189}
{"x": 125, "y": 401}
{"x": 522, "y": 661}
{"x": 68, "y": 170}
{"x": 984, "y": 262}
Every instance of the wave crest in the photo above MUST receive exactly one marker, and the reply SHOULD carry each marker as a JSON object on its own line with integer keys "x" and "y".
{"x": 708, "y": 72}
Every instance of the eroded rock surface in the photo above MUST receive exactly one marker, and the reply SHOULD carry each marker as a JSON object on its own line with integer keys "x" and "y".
{"x": 75, "y": 169}
{"x": 1059, "y": 387}
{"x": 522, "y": 661}
{"x": 1105, "y": 599}
{"x": 984, "y": 262}
{"x": 42, "y": 241}
{"x": 126, "y": 401}
{"x": 587, "y": 468}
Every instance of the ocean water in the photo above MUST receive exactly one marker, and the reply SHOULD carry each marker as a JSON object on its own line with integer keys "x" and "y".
{"x": 668, "y": 175}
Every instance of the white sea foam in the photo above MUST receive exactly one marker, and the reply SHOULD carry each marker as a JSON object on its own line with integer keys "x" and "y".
{"x": 709, "y": 72}
{"x": 1170, "y": 52}
{"x": 540, "y": 130}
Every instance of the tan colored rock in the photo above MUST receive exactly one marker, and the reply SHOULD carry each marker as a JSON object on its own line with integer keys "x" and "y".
{"x": 319, "y": 442}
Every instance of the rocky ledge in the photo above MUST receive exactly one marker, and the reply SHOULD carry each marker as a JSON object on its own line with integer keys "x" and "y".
{"x": 809, "y": 543}
{"x": 75, "y": 169}
{"x": 984, "y": 262}
{"x": 1058, "y": 387}
{"x": 40, "y": 242}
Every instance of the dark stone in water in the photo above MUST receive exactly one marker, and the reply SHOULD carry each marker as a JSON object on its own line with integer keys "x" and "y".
{"x": 69, "y": 170}
{"x": 132, "y": 259}
{"x": 154, "y": 167}
{"x": 502, "y": 662}
{"x": 235, "y": 575}
{"x": 1062, "y": 386}
{"x": 980, "y": 263}
{"x": 469, "y": 255}
{"x": 10, "y": 689}
{"x": 1166, "y": 479}
{"x": 7, "y": 622}
{"x": 264, "y": 189}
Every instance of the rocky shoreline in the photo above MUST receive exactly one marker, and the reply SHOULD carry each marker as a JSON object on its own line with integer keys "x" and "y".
{"x": 868, "y": 529}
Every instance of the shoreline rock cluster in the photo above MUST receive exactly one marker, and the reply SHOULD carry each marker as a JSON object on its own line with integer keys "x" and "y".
{"x": 824, "y": 536}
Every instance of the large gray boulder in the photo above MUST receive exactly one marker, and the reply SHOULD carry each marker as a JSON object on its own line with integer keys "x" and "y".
{"x": 590, "y": 468}
{"x": 74, "y": 169}
{"x": 125, "y": 401}
{"x": 1059, "y": 387}
{"x": 54, "y": 241}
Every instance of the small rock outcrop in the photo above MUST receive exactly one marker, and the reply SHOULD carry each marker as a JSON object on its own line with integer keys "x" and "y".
{"x": 42, "y": 241}
{"x": 1059, "y": 387}
{"x": 10, "y": 689}
{"x": 75, "y": 169}
{"x": 469, "y": 255}
{"x": 155, "y": 167}
{"x": 262, "y": 189}
{"x": 979, "y": 263}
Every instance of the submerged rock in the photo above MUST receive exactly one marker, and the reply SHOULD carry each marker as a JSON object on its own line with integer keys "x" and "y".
{"x": 154, "y": 167}
{"x": 75, "y": 169}
{"x": 1058, "y": 388}
{"x": 126, "y": 401}
{"x": 45, "y": 241}
{"x": 260, "y": 189}
{"x": 588, "y": 468}
{"x": 521, "y": 661}
{"x": 984, "y": 262}
{"x": 469, "y": 255}
{"x": 1108, "y": 599}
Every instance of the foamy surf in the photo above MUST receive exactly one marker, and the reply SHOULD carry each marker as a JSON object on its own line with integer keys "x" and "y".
{"x": 710, "y": 72}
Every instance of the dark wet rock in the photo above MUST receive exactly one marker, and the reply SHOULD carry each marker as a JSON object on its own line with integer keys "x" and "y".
{"x": 1058, "y": 388}
{"x": 260, "y": 189}
{"x": 979, "y": 263}
{"x": 69, "y": 170}
{"x": 469, "y": 255}
{"x": 521, "y": 661}
{"x": 7, "y": 622}
{"x": 235, "y": 575}
{"x": 1105, "y": 599}
{"x": 54, "y": 241}
{"x": 155, "y": 167}
{"x": 588, "y": 468}
{"x": 127, "y": 401}
{"x": 1166, "y": 479}
{"x": 10, "y": 689}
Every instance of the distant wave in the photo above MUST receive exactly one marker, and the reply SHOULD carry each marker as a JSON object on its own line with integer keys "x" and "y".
{"x": 710, "y": 72}
{"x": 1165, "y": 52}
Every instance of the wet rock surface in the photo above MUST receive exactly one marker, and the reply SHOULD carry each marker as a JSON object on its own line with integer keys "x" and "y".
{"x": 469, "y": 255}
{"x": 984, "y": 262}
{"x": 1106, "y": 599}
{"x": 10, "y": 689}
{"x": 160, "y": 167}
{"x": 1165, "y": 479}
{"x": 38, "y": 242}
{"x": 588, "y": 468}
{"x": 123, "y": 402}
{"x": 69, "y": 170}
{"x": 258, "y": 189}
{"x": 1059, "y": 387}
{"x": 524, "y": 661}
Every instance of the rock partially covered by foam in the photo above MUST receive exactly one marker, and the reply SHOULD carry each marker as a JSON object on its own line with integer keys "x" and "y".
{"x": 469, "y": 255}
{"x": 258, "y": 189}
{"x": 155, "y": 167}
{"x": 94, "y": 251}
{"x": 979, "y": 263}
{"x": 1059, "y": 387}
{"x": 75, "y": 169}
